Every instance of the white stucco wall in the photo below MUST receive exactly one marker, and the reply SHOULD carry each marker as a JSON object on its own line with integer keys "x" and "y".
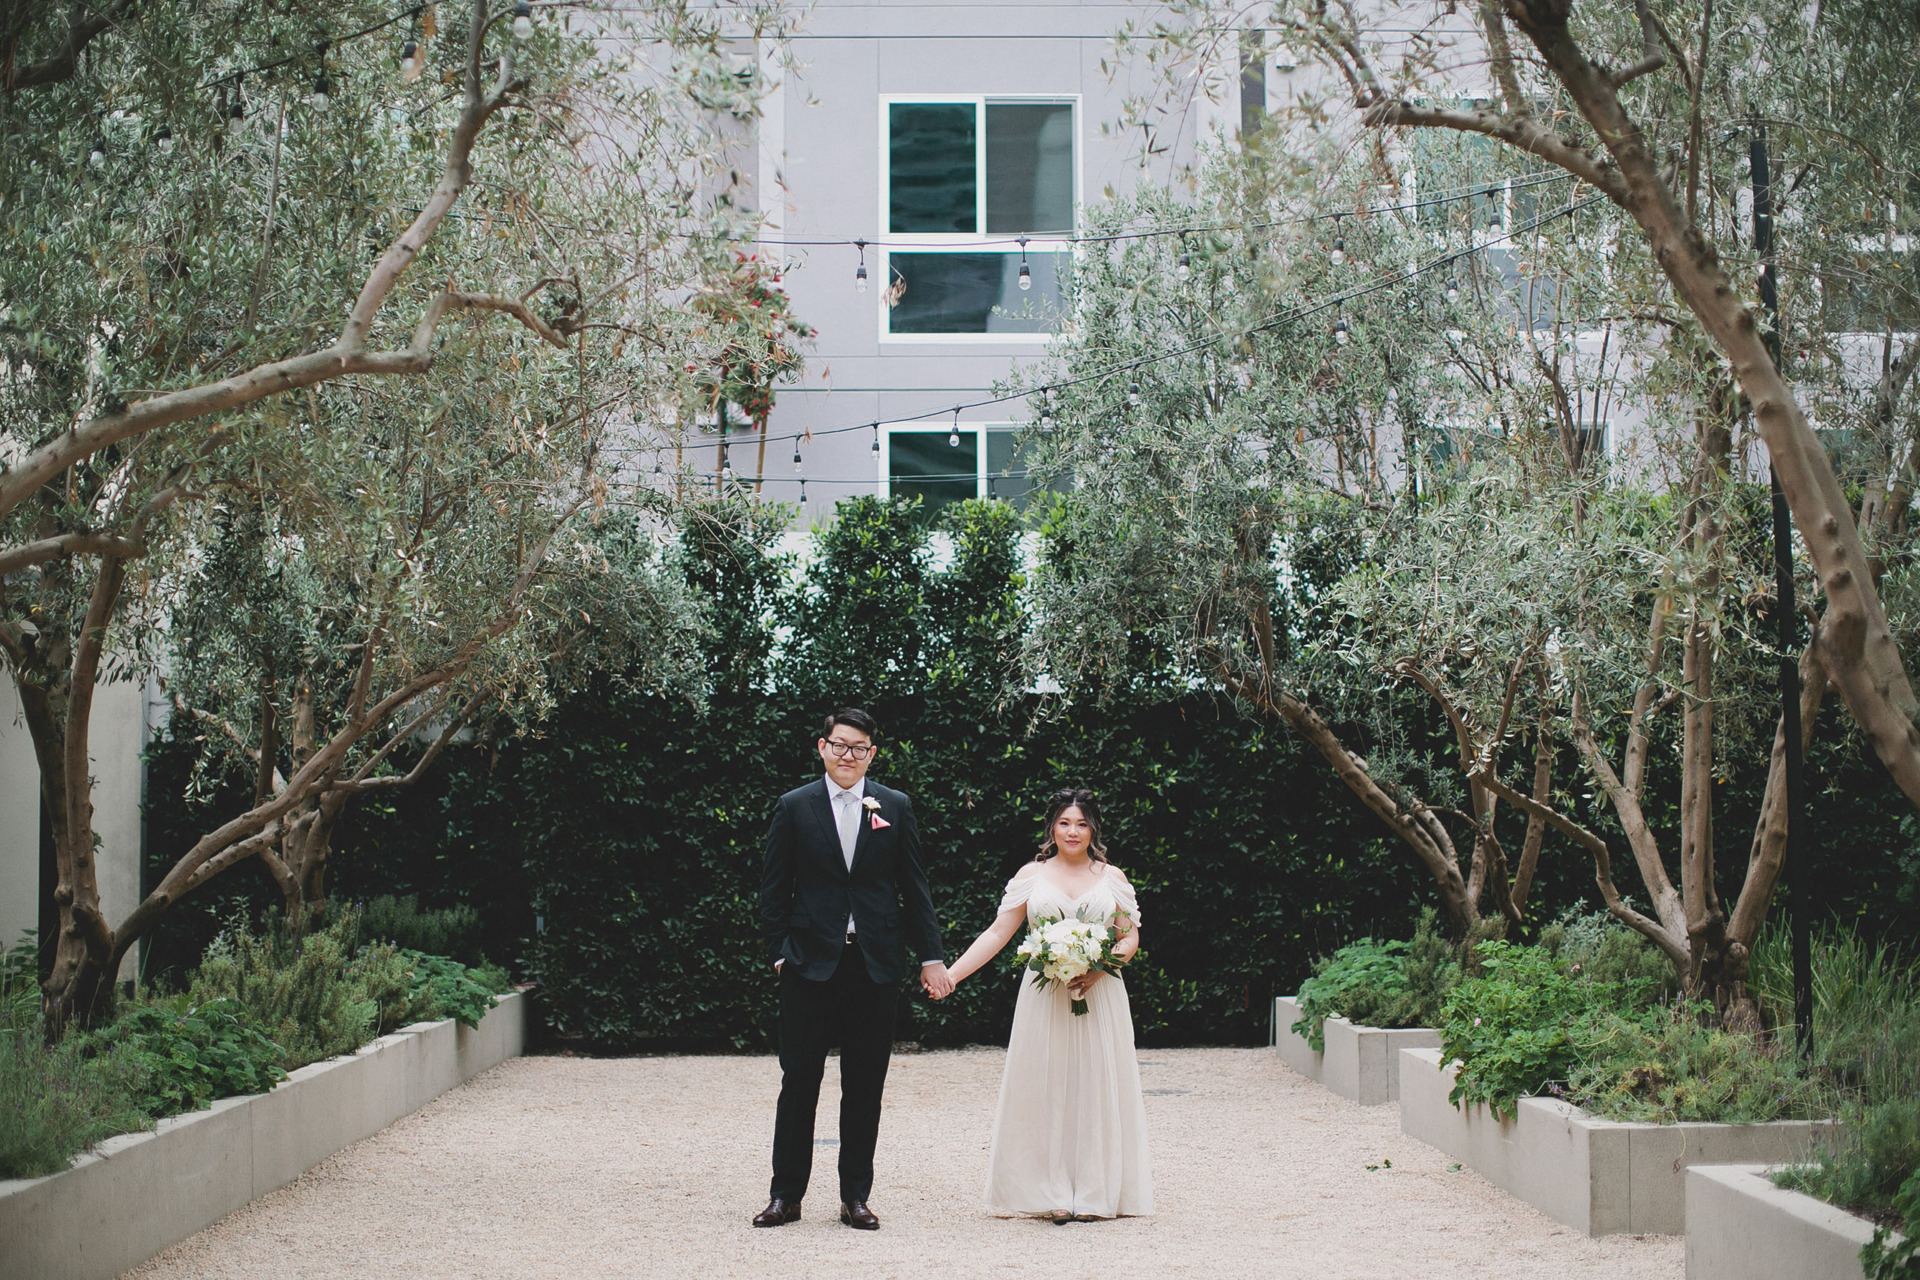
{"x": 119, "y": 733}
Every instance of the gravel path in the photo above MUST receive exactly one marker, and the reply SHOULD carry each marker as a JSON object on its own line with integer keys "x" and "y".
{"x": 577, "y": 1167}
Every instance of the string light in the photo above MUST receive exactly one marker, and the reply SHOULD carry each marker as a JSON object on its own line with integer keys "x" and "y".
{"x": 796, "y": 454}
{"x": 163, "y": 139}
{"x": 238, "y": 110}
{"x": 953, "y": 437}
{"x": 318, "y": 99}
{"x": 1184, "y": 268}
{"x": 1339, "y": 254}
{"x": 1026, "y": 276}
{"x": 1287, "y": 316}
{"x": 1133, "y": 394}
{"x": 1046, "y": 411}
{"x": 97, "y": 157}
{"x": 1340, "y": 332}
{"x": 522, "y": 20}
{"x": 860, "y": 272}
{"x": 1453, "y": 289}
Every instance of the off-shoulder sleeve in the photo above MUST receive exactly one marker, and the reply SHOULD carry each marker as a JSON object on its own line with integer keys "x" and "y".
{"x": 1019, "y": 889}
{"x": 1125, "y": 898}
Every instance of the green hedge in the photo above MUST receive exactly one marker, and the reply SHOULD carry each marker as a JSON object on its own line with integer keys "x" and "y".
{"x": 612, "y": 850}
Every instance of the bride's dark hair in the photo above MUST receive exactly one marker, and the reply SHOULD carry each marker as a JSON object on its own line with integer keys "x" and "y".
{"x": 1089, "y": 806}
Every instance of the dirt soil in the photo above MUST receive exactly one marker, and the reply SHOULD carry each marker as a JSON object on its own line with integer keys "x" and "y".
{"x": 580, "y": 1167}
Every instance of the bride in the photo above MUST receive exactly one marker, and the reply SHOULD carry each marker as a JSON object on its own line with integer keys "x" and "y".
{"x": 1070, "y": 1134}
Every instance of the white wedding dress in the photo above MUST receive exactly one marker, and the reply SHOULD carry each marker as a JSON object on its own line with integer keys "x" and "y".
{"x": 1070, "y": 1133}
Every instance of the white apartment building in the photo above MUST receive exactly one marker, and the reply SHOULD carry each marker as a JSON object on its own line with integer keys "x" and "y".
{"x": 959, "y": 140}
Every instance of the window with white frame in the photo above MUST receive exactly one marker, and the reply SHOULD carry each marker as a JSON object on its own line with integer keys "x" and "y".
{"x": 978, "y": 201}
{"x": 946, "y": 464}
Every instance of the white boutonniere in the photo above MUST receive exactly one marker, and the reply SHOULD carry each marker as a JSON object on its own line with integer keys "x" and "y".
{"x": 872, "y": 807}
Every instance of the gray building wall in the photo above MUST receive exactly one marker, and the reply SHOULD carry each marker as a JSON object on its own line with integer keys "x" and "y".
{"x": 819, "y": 176}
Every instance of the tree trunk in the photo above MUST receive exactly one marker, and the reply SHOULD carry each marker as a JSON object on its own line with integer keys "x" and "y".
{"x": 1859, "y": 649}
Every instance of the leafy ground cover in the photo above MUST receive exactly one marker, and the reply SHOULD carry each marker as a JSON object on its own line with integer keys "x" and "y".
{"x": 1381, "y": 984}
{"x": 262, "y": 1002}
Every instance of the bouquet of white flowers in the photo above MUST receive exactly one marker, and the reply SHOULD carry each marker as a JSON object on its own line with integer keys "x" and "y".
{"x": 1062, "y": 948}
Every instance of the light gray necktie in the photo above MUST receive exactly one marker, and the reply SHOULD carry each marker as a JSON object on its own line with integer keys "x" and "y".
{"x": 847, "y": 820}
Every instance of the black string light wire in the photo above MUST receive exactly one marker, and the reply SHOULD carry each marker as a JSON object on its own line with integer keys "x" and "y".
{"x": 1302, "y": 311}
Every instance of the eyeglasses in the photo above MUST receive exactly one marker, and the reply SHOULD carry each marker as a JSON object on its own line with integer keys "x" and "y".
{"x": 841, "y": 750}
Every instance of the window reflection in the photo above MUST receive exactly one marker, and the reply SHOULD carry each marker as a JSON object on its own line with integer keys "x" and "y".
{"x": 972, "y": 293}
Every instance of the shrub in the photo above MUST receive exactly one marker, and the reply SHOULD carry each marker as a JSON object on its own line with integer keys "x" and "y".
{"x": 1381, "y": 984}
{"x": 184, "y": 1056}
{"x": 55, "y": 1100}
{"x": 443, "y": 988}
{"x": 1513, "y": 1028}
{"x": 1881, "y": 1258}
{"x": 314, "y": 995}
{"x": 1672, "y": 1066}
{"x": 1595, "y": 946}
{"x": 1866, "y": 1043}
{"x": 454, "y": 931}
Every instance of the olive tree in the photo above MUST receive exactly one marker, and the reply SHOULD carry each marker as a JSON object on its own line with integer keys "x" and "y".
{"x": 211, "y": 270}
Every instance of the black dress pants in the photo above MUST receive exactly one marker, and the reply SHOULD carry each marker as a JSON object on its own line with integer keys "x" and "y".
{"x": 853, "y": 1011}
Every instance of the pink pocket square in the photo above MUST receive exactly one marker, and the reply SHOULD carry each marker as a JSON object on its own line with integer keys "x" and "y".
{"x": 880, "y": 822}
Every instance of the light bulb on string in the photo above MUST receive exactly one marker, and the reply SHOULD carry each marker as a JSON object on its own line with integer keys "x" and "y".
{"x": 860, "y": 272}
{"x": 1184, "y": 267}
{"x": 796, "y": 454}
{"x": 318, "y": 98}
{"x": 97, "y": 156}
{"x": 1339, "y": 254}
{"x": 953, "y": 437}
{"x": 237, "y": 110}
{"x": 876, "y": 439}
{"x": 163, "y": 140}
{"x": 1340, "y": 331}
{"x": 1046, "y": 411}
{"x": 522, "y": 20}
{"x": 1453, "y": 289}
{"x": 1026, "y": 275}
{"x": 1133, "y": 394}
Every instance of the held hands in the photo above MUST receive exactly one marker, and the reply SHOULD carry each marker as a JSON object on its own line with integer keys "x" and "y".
{"x": 937, "y": 981}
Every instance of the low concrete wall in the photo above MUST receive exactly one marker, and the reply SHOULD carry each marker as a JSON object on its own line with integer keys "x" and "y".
{"x": 1362, "y": 1063}
{"x": 1291, "y": 1045}
{"x": 1742, "y": 1227}
{"x": 1597, "y": 1176}
{"x": 132, "y": 1196}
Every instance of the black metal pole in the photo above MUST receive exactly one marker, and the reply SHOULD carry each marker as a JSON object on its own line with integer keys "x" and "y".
{"x": 1793, "y": 873}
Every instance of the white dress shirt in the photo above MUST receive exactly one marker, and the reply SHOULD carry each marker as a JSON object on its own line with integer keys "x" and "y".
{"x": 845, "y": 802}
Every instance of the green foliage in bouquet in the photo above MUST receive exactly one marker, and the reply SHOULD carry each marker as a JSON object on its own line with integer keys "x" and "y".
{"x": 1381, "y": 984}
{"x": 55, "y": 1100}
{"x": 185, "y": 1055}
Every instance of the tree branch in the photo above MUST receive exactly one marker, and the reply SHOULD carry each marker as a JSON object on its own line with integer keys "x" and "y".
{"x": 83, "y": 25}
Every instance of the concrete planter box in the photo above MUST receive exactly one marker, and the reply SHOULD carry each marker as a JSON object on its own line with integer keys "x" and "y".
{"x": 1742, "y": 1227}
{"x": 132, "y": 1196}
{"x": 1597, "y": 1176}
{"x": 1362, "y": 1063}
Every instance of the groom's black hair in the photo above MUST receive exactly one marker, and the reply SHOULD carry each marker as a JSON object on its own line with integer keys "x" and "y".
{"x": 853, "y": 718}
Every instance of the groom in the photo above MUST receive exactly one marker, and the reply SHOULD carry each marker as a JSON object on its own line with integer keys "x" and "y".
{"x": 843, "y": 863}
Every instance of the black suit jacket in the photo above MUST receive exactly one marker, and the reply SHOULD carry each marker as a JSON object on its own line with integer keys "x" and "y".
{"x": 807, "y": 891}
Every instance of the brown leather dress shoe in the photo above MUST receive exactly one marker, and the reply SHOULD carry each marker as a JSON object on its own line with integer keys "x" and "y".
{"x": 778, "y": 1213}
{"x": 858, "y": 1216}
